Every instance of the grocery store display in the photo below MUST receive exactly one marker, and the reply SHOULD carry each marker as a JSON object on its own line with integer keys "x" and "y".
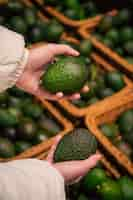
{"x": 23, "y": 123}
{"x": 97, "y": 185}
{"x": 67, "y": 75}
{"x": 124, "y": 127}
{"x": 25, "y": 20}
{"x": 117, "y": 33}
{"x": 76, "y": 145}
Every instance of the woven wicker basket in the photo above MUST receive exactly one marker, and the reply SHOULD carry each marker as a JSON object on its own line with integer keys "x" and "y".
{"x": 109, "y": 112}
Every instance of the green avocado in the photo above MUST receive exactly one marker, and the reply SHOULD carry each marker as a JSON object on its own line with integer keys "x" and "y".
{"x": 125, "y": 122}
{"x": 79, "y": 144}
{"x": 21, "y": 146}
{"x": 115, "y": 80}
{"x": 129, "y": 47}
{"x": 7, "y": 118}
{"x": 106, "y": 92}
{"x": 18, "y": 24}
{"x": 85, "y": 47}
{"x": 66, "y": 75}
{"x": 110, "y": 130}
{"x": 6, "y": 148}
{"x": 30, "y": 16}
{"x": 126, "y": 34}
{"x": 126, "y": 185}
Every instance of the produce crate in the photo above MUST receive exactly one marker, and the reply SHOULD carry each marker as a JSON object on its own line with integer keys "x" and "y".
{"x": 92, "y": 21}
{"x": 79, "y": 112}
{"x": 85, "y": 32}
{"x": 110, "y": 111}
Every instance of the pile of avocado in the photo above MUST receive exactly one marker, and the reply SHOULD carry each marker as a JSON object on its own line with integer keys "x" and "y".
{"x": 117, "y": 33}
{"x": 123, "y": 127}
{"x": 23, "y": 123}
{"x": 97, "y": 185}
{"x": 24, "y": 20}
{"x": 75, "y": 9}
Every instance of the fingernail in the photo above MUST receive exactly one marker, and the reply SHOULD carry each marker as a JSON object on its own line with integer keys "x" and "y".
{"x": 77, "y": 53}
{"x": 86, "y": 88}
{"x": 59, "y": 94}
{"x": 77, "y": 96}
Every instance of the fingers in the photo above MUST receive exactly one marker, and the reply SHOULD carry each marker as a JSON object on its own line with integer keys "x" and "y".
{"x": 68, "y": 97}
{"x": 75, "y": 169}
{"x": 45, "y": 95}
{"x": 61, "y": 49}
{"x": 51, "y": 153}
{"x": 85, "y": 89}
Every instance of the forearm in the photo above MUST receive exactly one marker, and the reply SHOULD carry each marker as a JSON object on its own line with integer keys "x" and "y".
{"x": 13, "y": 57}
{"x": 30, "y": 179}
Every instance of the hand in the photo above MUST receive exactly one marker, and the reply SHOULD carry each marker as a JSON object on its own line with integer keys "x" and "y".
{"x": 72, "y": 170}
{"x": 38, "y": 59}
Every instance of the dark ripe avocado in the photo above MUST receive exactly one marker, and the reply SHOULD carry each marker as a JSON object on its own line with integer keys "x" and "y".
{"x": 36, "y": 34}
{"x": 3, "y": 98}
{"x": 14, "y": 102}
{"x": 85, "y": 47}
{"x": 124, "y": 147}
{"x": 106, "y": 92}
{"x": 125, "y": 122}
{"x": 21, "y": 146}
{"x": 14, "y": 91}
{"x": 110, "y": 130}
{"x": 15, "y": 7}
{"x": 18, "y": 24}
{"x": 79, "y": 102}
{"x": 113, "y": 35}
{"x": 7, "y": 118}
{"x": 122, "y": 17}
{"x": 30, "y": 16}
{"x": 32, "y": 110}
{"x": 27, "y": 129}
{"x": 41, "y": 136}
{"x": 129, "y": 138}
{"x": 92, "y": 100}
{"x": 10, "y": 133}
{"x": 79, "y": 144}
{"x": 53, "y": 31}
{"x": 126, "y": 185}
{"x": 106, "y": 23}
{"x": 67, "y": 75}
{"x": 115, "y": 80}
{"x": 82, "y": 197}
{"x": 6, "y": 148}
{"x": 120, "y": 51}
{"x": 48, "y": 124}
{"x": 126, "y": 34}
{"x": 108, "y": 42}
{"x": 129, "y": 47}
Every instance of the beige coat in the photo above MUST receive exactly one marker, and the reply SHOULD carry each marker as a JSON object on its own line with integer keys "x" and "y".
{"x": 29, "y": 179}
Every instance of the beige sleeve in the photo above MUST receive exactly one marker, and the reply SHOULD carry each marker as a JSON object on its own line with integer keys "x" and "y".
{"x": 13, "y": 57}
{"x": 30, "y": 179}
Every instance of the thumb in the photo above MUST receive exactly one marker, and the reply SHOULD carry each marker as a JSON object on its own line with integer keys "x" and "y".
{"x": 74, "y": 169}
{"x": 51, "y": 153}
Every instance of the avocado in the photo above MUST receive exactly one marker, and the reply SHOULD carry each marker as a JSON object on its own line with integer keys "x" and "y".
{"x": 41, "y": 136}
{"x": 18, "y": 24}
{"x": 129, "y": 60}
{"x": 122, "y": 17}
{"x": 115, "y": 80}
{"x": 26, "y": 130}
{"x": 93, "y": 100}
{"x": 30, "y": 16}
{"x": 126, "y": 34}
{"x": 32, "y": 110}
{"x": 15, "y": 7}
{"x": 109, "y": 43}
{"x": 21, "y": 146}
{"x": 36, "y": 34}
{"x": 125, "y": 122}
{"x": 53, "y": 31}
{"x": 3, "y": 98}
{"x": 6, "y": 148}
{"x": 110, "y": 130}
{"x": 124, "y": 147}
{"x": 105, "y": 93}
{"x": 49, "y": 125}
{"x": 78, "y": 144}
{"x": 129, "y": 137}
{"x": 82, "y": 197}
{"x": 113, "y": 35}
{"x": 120, "y": 51}
{"x": 126, "y": 184}
{"x": 85, "y": 47}
{"x": 106, "y": 23}
{"x": 67, "y": 75}
{"x": 10, "y": 133}
{"x": 7, "y": 118}
{"x": 79, "y": 102}
{"x": 129, "y": 47}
